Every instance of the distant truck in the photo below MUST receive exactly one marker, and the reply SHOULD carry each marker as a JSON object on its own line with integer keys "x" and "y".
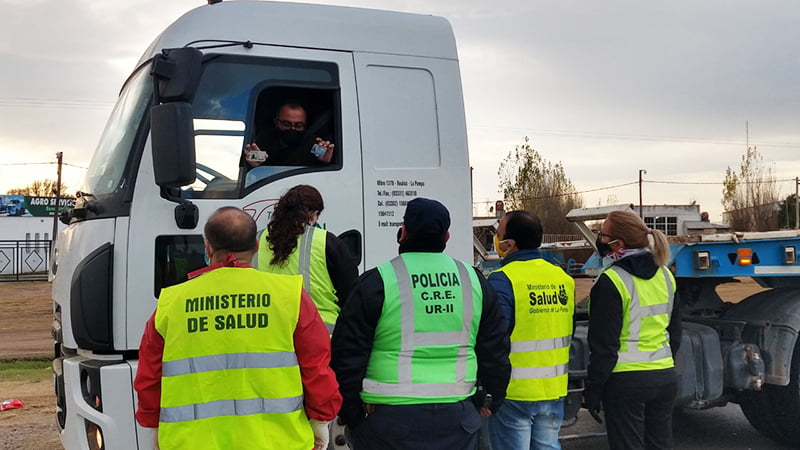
{"x": 748, "y": 352}
{"x": 12, "y": 205}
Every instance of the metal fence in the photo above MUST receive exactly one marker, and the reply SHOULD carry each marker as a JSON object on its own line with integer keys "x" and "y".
{"x": 551, "y": 238}
{"x": 24, "y": 260}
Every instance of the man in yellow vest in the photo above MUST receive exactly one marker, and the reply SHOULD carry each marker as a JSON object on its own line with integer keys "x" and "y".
{"x": 235, "y": 357}
{"x": 412, "y": 341}
{"x": 538, "y": 301}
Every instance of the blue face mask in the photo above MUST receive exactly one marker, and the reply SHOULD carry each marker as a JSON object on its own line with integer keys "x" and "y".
{"x": 205, "y": 258}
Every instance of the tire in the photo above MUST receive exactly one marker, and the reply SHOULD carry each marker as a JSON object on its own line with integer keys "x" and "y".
{"x": 775, "y": 411}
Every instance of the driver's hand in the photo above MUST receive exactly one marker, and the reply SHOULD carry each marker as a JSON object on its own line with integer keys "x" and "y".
{"x": 252, "y": 148}
{"x": 328, "y": 145}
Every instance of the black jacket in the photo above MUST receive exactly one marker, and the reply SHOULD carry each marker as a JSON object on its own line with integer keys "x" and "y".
{"x": 341, "y": 267}
{"x": 605, "y": 327}
{"x": 355, "y": 332}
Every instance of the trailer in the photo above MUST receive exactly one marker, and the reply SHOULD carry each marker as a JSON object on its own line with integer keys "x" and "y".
{"x": 745, "y": 352}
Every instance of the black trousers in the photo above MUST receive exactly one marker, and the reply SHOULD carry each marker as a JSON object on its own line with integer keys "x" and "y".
{"x": 434, "y": 426}
{"x": 639, "y": 417}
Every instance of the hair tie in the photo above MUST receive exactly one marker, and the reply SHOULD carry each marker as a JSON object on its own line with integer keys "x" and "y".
{"x": 649, "y": 231}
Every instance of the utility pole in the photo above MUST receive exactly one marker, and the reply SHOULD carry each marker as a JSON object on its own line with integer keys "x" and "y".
{"x": 59, "y": 156}
{"x": 641, "y": 212}
{"x": 796, "y": 204}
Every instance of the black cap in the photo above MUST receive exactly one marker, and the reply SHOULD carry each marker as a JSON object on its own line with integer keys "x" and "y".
{"x": 424, "y": 216}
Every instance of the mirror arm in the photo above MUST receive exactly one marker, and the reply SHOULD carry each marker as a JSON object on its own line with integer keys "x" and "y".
{"x": 186, "y": 212}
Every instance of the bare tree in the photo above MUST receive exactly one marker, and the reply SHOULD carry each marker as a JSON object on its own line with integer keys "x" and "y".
{"x": 750, "y": 195}
{"x": 530, "y": 182}
{"x": 40, "y": 188}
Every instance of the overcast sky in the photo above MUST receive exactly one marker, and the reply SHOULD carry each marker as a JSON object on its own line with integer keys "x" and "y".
{"x": 606, "y": 88}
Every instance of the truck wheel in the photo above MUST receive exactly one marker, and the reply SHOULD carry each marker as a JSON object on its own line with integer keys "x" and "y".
{"x": 775, "y": 411}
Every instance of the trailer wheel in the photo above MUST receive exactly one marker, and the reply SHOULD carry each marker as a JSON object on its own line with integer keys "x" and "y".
{"x": 775, "y": 411}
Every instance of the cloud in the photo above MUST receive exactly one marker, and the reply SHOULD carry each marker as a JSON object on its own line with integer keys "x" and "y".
{"x": 607, "y": 88}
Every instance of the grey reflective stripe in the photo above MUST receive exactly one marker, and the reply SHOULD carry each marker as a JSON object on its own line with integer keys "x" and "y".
{"x": 255, "y": 256}
{"x": 410, "y": 339}
{"x": 639, "y": 312}
{"x": 632, "y": 357}
{"x": 330, "y": 327}
{"x": 304, "y": 257}
{"x": 418, "y": 390}
{"x": 540, "y": 345}
{"x": 527, "y": 373}
{"x": 242, "y": 407}
{"x": 228, "y": 361}
{"x": 466, "y": 322}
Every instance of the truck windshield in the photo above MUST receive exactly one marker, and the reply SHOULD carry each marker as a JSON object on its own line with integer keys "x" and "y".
{"x": 108, "y": 172}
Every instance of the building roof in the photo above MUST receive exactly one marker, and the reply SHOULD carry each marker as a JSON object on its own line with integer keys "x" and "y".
{"x": 702, "y": 225}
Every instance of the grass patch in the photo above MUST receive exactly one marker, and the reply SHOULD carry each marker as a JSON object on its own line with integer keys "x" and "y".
{"x": 28, "y": 368}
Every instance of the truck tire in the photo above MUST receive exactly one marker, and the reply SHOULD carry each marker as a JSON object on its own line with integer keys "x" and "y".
{"x": 775, "y": 411}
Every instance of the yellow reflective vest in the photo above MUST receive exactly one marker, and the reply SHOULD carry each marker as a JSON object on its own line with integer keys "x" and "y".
{"x": 308, "y": 259}
{"x": 230, "y": 377}
{"x": 646, "y": 311}
{"x": 544, "y": 303}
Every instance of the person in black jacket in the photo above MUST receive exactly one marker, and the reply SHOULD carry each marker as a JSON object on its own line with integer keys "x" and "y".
{"x": 634, "y": 334}
{"x": 454, "y": 319}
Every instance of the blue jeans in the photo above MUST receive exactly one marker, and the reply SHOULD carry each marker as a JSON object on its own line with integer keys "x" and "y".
{"x": 520, "y": 424}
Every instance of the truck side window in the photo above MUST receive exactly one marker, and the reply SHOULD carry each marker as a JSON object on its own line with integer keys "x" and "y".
{"x": 175, "y": 257}
{"x": 231, "y": 112}
{"x": 412, "y": 102}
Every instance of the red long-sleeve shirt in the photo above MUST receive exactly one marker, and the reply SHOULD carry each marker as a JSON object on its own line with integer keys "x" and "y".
{"x": 313, "y": 349}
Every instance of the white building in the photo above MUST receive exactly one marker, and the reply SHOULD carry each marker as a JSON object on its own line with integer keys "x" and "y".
{"x": 679, "y": 220}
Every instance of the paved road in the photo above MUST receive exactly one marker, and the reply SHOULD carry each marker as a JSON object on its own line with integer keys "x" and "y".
{"x": 717, "y": 428}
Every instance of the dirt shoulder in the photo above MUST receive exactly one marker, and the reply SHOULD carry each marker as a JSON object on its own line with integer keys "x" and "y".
{"x": 26, "y": 316}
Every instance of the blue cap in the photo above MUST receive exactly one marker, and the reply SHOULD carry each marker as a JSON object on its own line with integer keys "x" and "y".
{"x": 424, "y": 216}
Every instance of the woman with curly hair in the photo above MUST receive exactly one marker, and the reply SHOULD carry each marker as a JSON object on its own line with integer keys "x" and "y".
{"x": 292, "y": 244}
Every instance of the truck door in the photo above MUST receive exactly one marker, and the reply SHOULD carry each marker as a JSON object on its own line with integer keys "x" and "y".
{"x": 239, "y": 94}
{"x": 414, "y": 136}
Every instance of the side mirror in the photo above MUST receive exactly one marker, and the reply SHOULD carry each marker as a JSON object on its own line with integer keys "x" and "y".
{"x": 176, "y": 75}
{"x": 352, "y": 240}
{"x": 172, "y": 140}
{"x": 176, "y": 72}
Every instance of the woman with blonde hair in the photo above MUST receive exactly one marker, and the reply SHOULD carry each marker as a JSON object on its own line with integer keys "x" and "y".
{"x": 634, "y": 334}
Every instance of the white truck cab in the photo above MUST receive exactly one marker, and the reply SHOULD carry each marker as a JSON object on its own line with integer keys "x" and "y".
{"x": 384, "y": 87}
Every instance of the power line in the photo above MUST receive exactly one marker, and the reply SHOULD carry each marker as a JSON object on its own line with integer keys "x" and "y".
{"x": 634, "y": 137}
{"x": 716, "y": 183}
{"x": 41, "y": 163}
{"x": 635, "y": 182}
{"x": 54, "y": 103}
{"x": 25, "y": 164}
{"x": 566, "y": 193}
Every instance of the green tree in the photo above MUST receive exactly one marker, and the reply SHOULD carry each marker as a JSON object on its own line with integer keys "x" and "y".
{"x": 530, "y": 182}
{"x": 40, "y": 188}
{"x": 786, "y": 215}
{"x": 750, "y": 195}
